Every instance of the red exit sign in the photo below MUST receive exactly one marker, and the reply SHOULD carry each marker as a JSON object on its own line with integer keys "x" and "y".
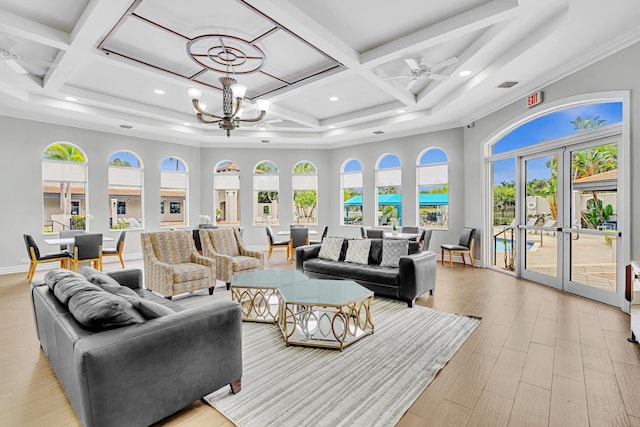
{"x": 534, "y": 99}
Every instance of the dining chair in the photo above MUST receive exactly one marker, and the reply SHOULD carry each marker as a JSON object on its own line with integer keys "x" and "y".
{"x": 299, "y": 237}
{"x": 464, "y": 246}
{"x": 64, "y": 234}
{"x": 372, "y": 233}
{"x": 363, "y": 231}
{"x": 36, "y": 258}
{"x": 275, "y": 243}
{"x": 323, "y": 235}
{"x": 425, "y": 238}
{"x": 410, "y": 229}
{"x": 117, "y": 251}
{"x": 87, "y": 248}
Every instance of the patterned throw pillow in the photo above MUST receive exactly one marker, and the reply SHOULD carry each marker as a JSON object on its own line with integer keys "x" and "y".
{"x": 392, "y": 250}
{"x": 330, "y": 248}
{"x": 358, "y": 251}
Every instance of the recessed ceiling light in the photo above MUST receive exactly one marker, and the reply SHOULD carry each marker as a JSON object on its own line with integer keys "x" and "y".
{"x": 186, "y": 124}
{"x": 401, "y": 111}
{"x": 70, "y": 98}
{"x": 263, "y": 128}
{"x": 464, "y": 73}
{"x": 159, "y": 91}
{"x": 332, "y": 127}
{"x": 333, "y": 98}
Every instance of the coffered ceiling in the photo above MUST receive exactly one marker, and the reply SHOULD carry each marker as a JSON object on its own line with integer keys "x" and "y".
{"x": 335, "y": 71}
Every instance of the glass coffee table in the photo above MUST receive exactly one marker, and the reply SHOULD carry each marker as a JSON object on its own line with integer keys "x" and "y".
{"x": 257, "y": 292}
{"x": 325, "y": 313}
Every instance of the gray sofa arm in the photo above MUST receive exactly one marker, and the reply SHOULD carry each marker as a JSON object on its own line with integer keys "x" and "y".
{"x": 417, "y": 275}
{"x": 306, "y": 252}
{"x": 161, "y": 365}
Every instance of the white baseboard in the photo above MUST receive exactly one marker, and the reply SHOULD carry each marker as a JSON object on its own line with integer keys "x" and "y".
{"x": 23, "y": 268}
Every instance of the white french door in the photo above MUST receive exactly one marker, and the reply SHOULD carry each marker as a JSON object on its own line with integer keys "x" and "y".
{"x": 574, "y": 244}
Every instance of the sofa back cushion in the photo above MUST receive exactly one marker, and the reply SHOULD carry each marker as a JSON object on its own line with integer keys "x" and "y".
{"x": 375, "y": 254}
{"x": 172, "y": 247}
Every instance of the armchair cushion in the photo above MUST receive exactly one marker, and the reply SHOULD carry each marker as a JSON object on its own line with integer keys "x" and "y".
{"x": 241, "y": 263}
{"x": 190, "y": 271}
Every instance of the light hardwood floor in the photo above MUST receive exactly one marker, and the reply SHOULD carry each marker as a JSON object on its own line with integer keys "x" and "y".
{"x": 539, "y": 357}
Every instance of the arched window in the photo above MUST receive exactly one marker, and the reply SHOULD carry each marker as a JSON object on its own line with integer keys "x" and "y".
{"x": 432, "y": 177}
{"x": 266, "y": 186}
{"x": 125, "y": 190}
{"x": 389, "y": 190}
{"x": 351, "y": 187}
{"x": 64, "y": 188}
{"x": 226, "y": 192}
{"x": 174, "y": 192}
{"x": 558, "y": 124}
{"x": 305, "y": 193}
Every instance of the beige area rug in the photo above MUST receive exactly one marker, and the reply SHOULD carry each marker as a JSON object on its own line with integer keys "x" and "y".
{"x": 371, "y": 383}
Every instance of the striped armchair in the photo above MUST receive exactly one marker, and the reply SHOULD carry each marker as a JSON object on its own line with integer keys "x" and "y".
{"x": 173, "y": 266}
{"x": 226, "y": 247}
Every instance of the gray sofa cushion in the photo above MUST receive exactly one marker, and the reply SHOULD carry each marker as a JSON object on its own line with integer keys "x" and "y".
{"x": 98, "y": 310}
{"x": 107, "y": 283}
{"x": 149, "y": 309}
{"x": 350, "y": 271}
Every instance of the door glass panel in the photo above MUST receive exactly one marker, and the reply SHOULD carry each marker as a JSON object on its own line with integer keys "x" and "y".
{"x": 541, "y": 192}
{"x": 594, "y": 184}
{"x": 504, "y": 214}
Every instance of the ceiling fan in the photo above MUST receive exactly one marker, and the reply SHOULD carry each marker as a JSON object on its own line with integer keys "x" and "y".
{"x": 8, "y": 56}
{"x": 420, "y": 70}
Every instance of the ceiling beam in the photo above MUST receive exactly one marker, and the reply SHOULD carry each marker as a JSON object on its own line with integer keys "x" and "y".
{"x": 467, "y": 22}
{"x": 30, "y": 30}
{"x": 96, "y": 20}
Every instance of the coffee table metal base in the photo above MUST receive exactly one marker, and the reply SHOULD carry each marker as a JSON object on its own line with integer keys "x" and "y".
{"x": 326, "y": 326}
{"x": 257, "y": 304}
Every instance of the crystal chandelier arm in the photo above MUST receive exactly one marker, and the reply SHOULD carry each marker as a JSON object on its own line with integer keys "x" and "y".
{"x": 196, "y": 106}
{"x": 257, "y": 119}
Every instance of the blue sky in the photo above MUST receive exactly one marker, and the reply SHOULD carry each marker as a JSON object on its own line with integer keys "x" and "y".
{"x": 552, "y": 126}
{"x": 125, "y": 156}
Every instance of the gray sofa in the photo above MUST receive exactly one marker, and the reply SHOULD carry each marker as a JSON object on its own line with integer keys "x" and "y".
{"x": 139, "y": 374}
{"x": 415, "y": 275}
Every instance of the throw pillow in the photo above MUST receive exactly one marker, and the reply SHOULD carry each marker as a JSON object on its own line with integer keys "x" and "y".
{"x": 98, "y": 310}
{"x": 392, "y": 250}
{"x": 358, "y": 251}
{"x": 330, "y": 248}
{"x": 150, "y": 309}
{"x": 67, "y": 287}
{"x": 107, "y": 283}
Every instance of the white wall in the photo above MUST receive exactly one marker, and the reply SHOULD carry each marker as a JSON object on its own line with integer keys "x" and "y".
{"x": 618, "y": 72}
{"x": 23, "y": 142}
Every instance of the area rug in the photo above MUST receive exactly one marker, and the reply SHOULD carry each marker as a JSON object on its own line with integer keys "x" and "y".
{"x": 371, "y": 383}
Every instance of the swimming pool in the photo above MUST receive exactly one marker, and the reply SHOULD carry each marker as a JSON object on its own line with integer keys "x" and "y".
{"x": 501, "y": 246}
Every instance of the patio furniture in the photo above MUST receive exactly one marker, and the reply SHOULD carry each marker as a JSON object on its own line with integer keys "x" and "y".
{"x": 36, "y": 258}
{"x": 173, "y": 266}
{"x": 226, "y": 247}
{"x": 464, "y": 246}
{"x": 117, "y": 251}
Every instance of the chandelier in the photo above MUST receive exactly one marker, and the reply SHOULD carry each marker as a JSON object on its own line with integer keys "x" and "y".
{"x": 231, "y": 112}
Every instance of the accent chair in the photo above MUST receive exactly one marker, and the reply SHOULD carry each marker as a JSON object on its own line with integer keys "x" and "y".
{"x": 172, "y": 265}
{"x": 87, "y": 248}
{"x": 226, "y": 247}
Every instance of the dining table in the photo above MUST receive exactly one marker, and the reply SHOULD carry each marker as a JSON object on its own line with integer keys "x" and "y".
{"x": 288, "y": 233}
{"x": 70, "y": 240}
{"x": 400, "y": 236}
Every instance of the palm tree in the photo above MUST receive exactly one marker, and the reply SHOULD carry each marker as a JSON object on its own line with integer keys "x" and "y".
{"x": 581, "y": 124}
